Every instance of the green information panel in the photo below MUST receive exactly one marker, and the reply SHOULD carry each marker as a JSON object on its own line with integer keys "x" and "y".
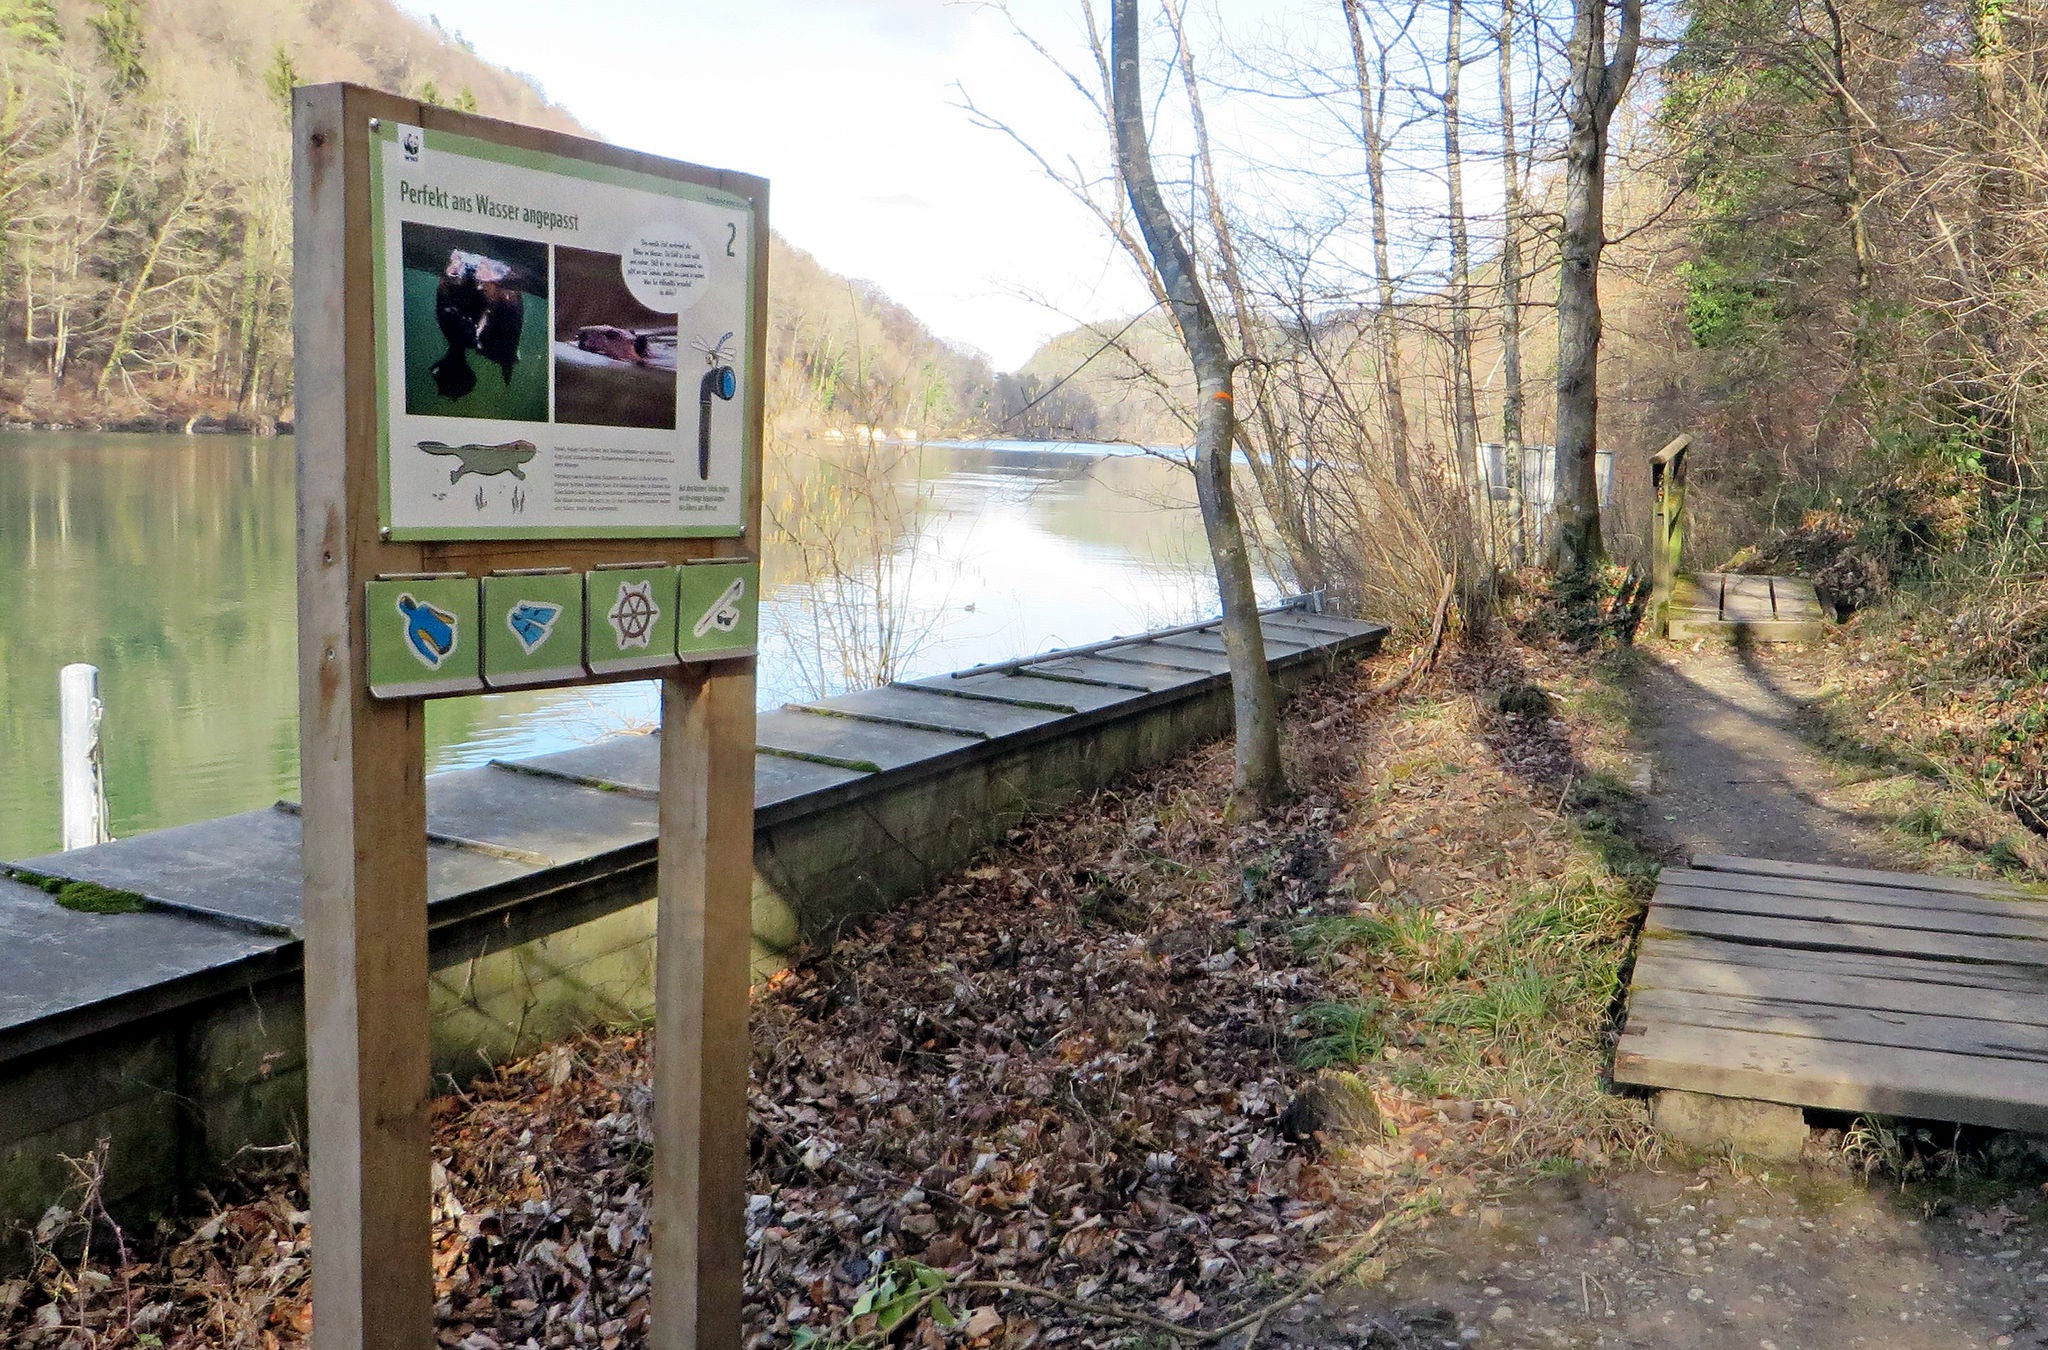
{"x": 423, "y": 637}
{"x": 533, "y": 629}
{"x": 718, "y": 613}
{"x": 631, "y": 619}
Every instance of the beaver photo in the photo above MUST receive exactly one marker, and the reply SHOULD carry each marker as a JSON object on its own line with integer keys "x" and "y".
{"x": 476, "y": 308}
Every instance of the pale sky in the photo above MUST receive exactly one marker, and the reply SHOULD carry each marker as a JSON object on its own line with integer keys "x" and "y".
{"x": 849, "y": 108}
{"x": 852, "y": 110}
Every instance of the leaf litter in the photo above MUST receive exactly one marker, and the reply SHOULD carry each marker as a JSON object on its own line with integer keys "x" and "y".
{"x": 1077, "y": 1067}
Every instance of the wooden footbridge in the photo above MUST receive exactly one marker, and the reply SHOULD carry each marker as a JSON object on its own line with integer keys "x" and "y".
{"x": 1723, "y": 606}
{"x": 1843, "y": 989}
{"x": 1813, "y": 986}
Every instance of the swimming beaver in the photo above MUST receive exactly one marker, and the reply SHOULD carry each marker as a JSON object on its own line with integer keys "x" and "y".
{"x": 475, "y": 308}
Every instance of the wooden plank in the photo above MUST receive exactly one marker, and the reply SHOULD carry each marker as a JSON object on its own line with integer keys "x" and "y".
{"x": 363, "y": 782}
{"x": 1657, "y": 970}
{"x": 1697, "y": 593}
{"x": 1953, "y": 902}
{"x": 1746, "y": 599}
{"x": 1770, "y": 867}
{"x": 2030, "y": 981}
{"x": 1956, "y": 1034}
{"x": 1684, "y": 628}
{"x": 1908, "y": 919}
{"x": 1792, "y": 598}
{"x": 1845, "y": 937}
{"x": 1837, "y": 1077}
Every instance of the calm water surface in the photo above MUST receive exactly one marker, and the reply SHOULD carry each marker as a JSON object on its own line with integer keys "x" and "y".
{"x": 167, "y": 561}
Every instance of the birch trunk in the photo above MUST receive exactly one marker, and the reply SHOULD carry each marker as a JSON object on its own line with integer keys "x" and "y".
{"x": 1511, "y": 286}
{"x": 1464, "y": 413}
{"x": 1259, "y": 778}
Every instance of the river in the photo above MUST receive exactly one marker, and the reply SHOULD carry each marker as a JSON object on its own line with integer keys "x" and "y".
{"x": 167, "y": 561}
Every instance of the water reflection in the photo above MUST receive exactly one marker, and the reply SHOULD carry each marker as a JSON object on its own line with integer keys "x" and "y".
{"x": 167, "y": 561}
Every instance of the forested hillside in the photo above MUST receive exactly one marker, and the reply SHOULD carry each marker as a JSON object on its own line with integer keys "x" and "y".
{"x": 145, "y": 219}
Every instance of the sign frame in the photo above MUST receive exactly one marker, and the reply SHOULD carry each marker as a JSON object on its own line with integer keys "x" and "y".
{"x": 363, "y": 763}
{"x": 525, "y": 159}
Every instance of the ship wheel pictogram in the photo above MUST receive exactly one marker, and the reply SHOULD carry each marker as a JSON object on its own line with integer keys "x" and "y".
{"x": 634, "y": 614}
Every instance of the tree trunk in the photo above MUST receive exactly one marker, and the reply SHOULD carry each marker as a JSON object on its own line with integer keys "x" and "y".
{"x": 1385, "y": 319}
{"x": 1597, "y": 83}
{"x": 1511, "y": 287}
{"x": 1464, "y": 413}
{"x": 1259, "y": 777}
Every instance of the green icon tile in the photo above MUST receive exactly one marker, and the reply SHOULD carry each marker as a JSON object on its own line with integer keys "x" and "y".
{"x": 533, "y": 630}
{"x": 630, "y": 616}
{"x": 423, "y": 637}
{"x": 718, "y": 610}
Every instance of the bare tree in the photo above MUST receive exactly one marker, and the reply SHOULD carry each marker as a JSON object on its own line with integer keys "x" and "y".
{"x": 1274, "y": 453}
{"x": 1372, "y": 93}
{"x": 1511, "y": 404}
{"x": 1597, "y": 80}
{"x": 1259, "y": 775}
{"x": 1464, "y": 415}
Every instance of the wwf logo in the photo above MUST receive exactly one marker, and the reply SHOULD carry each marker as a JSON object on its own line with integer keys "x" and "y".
{"x": 410, "y": 143}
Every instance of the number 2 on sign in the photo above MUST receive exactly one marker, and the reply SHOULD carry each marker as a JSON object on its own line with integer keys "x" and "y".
{"x": 732, "y": 233}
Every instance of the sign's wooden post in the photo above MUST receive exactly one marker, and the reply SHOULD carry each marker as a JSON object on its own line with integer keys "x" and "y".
{"x": 463, "y": 529}
{"x": 362, "y": 773}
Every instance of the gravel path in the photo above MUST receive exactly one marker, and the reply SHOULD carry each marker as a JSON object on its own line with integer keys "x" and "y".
{"x": 1684, "y": 1259}
{"x": 1733, "y": 774}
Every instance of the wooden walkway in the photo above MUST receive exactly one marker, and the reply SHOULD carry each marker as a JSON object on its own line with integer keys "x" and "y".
{"x": 1845, "y": 989}
{"x": 1731, "y": 605}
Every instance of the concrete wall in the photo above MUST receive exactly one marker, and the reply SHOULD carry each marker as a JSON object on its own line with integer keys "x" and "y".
{"x": 179, "y": 1094}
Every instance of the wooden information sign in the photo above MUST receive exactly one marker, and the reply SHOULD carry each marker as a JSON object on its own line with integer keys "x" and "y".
{"x": 529, "y": 446}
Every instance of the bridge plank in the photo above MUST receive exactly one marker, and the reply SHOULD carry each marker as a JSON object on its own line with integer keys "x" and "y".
{"x": 1748, "y": 957}
{"x": 1769, "y": 867}
{"x": 1953, "y": 1033}
{"x": 1844, "y": 937}
{"x": 1959, "y": 902}
{"x": 935, "y": 712}
{"x": 1665, "y": 966}
{"x": 847, "y": 743}
{"x": 2000, "y": 1093}
{"x": 1908, "y": 918}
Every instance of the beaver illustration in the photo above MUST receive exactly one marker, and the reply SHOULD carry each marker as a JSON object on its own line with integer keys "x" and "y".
{"x": 475, "y": 308}
{"x": 620, "y": 344}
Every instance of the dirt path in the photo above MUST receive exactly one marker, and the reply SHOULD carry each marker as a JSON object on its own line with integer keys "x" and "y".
{"x": 1734, "y": 775}
{"x": 1809, "y": 1261}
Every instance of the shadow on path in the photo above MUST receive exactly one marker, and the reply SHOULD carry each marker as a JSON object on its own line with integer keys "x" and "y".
{"x": 1735, "y": 775}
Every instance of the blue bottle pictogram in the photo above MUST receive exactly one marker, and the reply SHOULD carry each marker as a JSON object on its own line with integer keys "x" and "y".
{"x": 429, "y": 632}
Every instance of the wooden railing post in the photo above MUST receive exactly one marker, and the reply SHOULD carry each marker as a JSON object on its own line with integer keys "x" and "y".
{"x": 1667, "y": 537}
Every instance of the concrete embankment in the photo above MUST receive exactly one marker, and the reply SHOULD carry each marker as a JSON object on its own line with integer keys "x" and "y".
{"x": 177, "y": 1034}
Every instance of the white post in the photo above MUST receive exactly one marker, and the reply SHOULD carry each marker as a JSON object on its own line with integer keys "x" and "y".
{"x": 85, "y": 786}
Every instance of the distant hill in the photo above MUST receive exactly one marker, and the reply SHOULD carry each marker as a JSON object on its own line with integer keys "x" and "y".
{"x": 145, "y": 219}
{"x": 1116, "y": 380}
{"x": 842, "y": 355}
